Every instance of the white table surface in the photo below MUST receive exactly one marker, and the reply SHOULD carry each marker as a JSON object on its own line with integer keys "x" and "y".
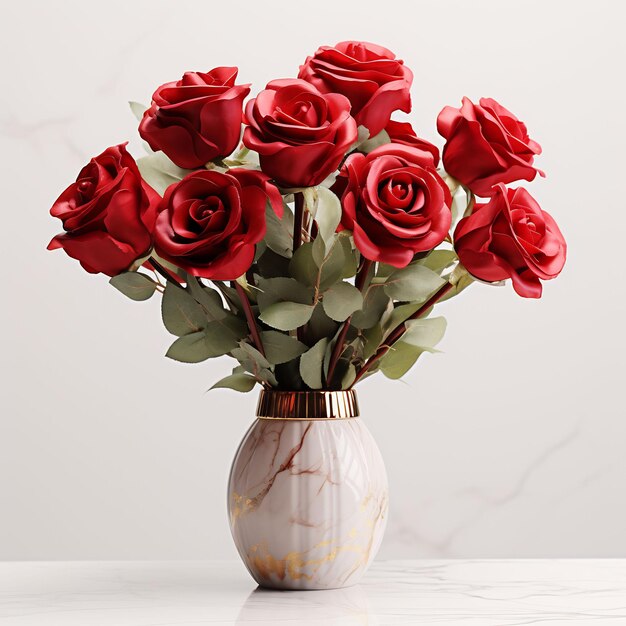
{"x": 480, "y": 592}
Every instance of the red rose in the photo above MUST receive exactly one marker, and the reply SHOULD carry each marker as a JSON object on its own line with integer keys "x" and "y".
{"x": 108, "y": 214}
{"x": 486, "y": 145}
{"x": 395, "y": 203}
{"x": 209, "y": 222}
{"x": 197, "y": 118}
{"x": 300, "y": 134}
{"x": 370, "y": 76}
{"x": 402, "y": 132}
{"x": 511, "y": 237}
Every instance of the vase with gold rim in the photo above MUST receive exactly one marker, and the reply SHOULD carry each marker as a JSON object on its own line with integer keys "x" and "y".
{"x": 307, "y": 494}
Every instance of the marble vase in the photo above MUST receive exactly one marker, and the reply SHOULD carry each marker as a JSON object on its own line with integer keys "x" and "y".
{"x": 307, "y": 495}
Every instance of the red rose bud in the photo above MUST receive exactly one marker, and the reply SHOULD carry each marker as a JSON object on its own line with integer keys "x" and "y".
{"x": 108, "y": 214}
{"x": 486, "y": 145}
{"x": 370, "y": 76}
{"x": 511, "y": 237}
{"x": 196, "y": 119}
{"x": 402, "y": 132}
{"x": 209, "y": 222}
{"x": 300, "y": 134}
{"x": 394, "y": 202}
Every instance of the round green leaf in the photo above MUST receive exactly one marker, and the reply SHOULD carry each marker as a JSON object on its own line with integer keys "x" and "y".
{"x": 134, "y": 285}
{"x": 341, "y": 300}
{"x": 286, "y": 315}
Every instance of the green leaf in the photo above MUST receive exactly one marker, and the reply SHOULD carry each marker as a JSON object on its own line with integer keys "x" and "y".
{"x": 341, "y": 300}
{"x": 302, "y": 266}
{"x": 439, "y": 260}
{"x": 271, "y": 290}
{"x": 348, "y": 377}
{"x": 425, "y": 333}
{"x": 138, "y": 109}
{"x": 134, "y": 285}
{"x": 202, "y": 345}
{"x": 413, "y": 283}
{"x": 181, "y": 314}
{"x": 159, "y": 172}
{"x": 375, "y": 303}
{"x": 272, "y": 265}
{"x": 279, "y": 231}
{"x": 287, "y": 315}
{"x": 209, "y": 299}
{"x": 238, "y": 382}
{"x": 280, "y": 348}
{"x": 373, "y": 338}
{"x": 327, "y": 215}
{"x": 375, "y": 142}
{"x": 254, "y": 362}
{"x": 399, "y": 314}
{"x": 320, "y": 325}
{"x": 350, "y": 256}
{"x": 311, "y": 364}
{"x": 399, "y": 359}
{"x": 331, "y": 269}
{"x": 422, "y": 335}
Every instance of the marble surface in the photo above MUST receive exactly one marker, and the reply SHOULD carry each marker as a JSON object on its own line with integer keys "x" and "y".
{"x": 184, "y": 593}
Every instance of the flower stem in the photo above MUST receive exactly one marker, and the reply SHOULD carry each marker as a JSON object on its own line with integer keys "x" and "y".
{"x": 359, "y": 283}
{"x": 247, "y": 309}
{"x": 399, "y": 330}
{"x": 164, "y": 272}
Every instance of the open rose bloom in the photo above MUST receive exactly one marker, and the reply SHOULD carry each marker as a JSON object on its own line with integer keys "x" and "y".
{"x": 305, "y": 229}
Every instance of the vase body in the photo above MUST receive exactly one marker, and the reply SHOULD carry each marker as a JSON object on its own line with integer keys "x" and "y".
{"x": 307, "y": 496}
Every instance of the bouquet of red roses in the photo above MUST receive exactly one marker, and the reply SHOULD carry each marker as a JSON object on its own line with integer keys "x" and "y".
{"x": 313, "y": 247}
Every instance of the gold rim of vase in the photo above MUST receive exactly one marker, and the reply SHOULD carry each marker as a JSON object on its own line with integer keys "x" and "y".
{"x": 307, "y": 405}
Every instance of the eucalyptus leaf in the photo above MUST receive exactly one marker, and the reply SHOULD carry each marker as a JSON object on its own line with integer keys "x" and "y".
{"x": 302, "y": 266}
{"x": 209, "y": 299}
{"x": 159, "y": 172}
{"x": 400, "y": 313}
{"x": 331, "y": 269}
{"x": 279, "y": 231}
{"x": 254, "y": 362}
{"x": 181, "y": 313}
{"x": 198, "y": 346}
{"x": 375, "y": 303}
{"x": 328, "y": 215}
{"x": 439, "y": 260}
{"x": 138, "y": 109}
{"x": 374, "y": 142}
{"x": 413, "y": 283}
{"x": 271, "y": 290}
{"x": 287, "y": 315}
{"x": 238, "y": 382}
{"x": 272, "y": 265}
{"x": 373, "y": 338}
{"x": 134, "y": 285}
{"x": 425, "y": 333}
{"x": 350, "y": 256}
{"x": 320, "y": 325}
{"x": 348, "y": 376}
{"x": 341, "y": 300}
{"x": 311, "y": 364}
{"x": 280, "y": 348}
{"x": 399, "y": 359}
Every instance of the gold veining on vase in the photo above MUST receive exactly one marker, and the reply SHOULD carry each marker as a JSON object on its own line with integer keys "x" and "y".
{"x": 307, "y": 405}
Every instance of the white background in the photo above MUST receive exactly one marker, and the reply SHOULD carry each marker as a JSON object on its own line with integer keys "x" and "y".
{"x": 510, "y": 443}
